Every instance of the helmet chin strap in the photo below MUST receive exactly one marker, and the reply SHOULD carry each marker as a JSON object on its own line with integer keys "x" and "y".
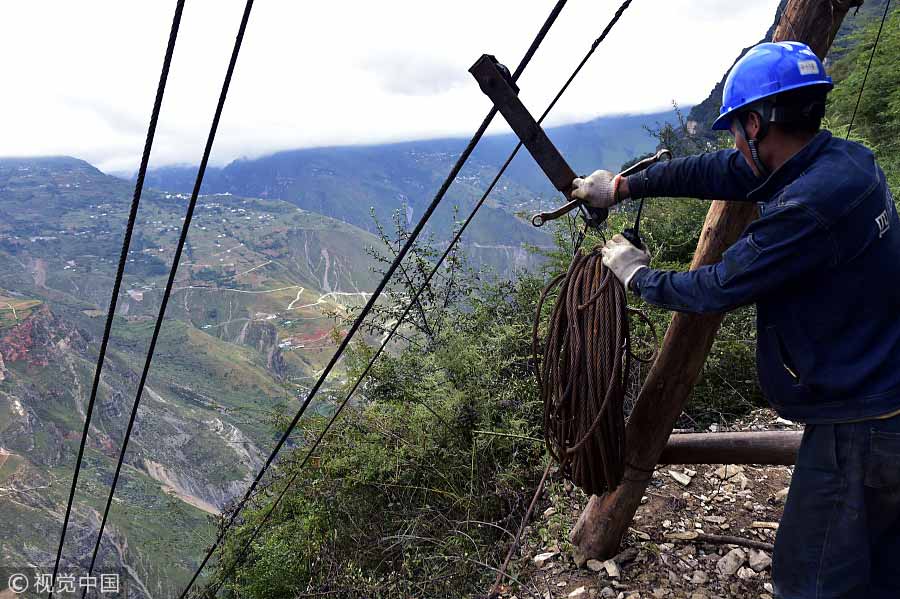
{"x": 753, "y": 144}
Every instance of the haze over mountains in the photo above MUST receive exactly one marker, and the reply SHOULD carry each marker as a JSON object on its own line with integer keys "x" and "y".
{"x": 347, "y": 182}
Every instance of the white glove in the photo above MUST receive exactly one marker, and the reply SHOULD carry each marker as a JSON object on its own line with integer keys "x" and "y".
{"x": 600, "y": 190}
{"x": 624, "y": 259}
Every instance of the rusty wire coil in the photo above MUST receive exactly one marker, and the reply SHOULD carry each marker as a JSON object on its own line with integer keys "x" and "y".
{"x": 583, "y": 371}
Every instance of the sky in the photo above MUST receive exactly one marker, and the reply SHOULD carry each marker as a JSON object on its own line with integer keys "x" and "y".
{"x": 80, "y": 77}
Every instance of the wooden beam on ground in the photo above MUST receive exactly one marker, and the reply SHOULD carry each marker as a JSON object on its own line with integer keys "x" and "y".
{"x": 600, "y": 529}
{"x": 763, "y": 447}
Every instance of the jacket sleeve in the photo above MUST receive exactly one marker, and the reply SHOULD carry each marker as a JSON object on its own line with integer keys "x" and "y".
{"x": 776, "y": 250}
{"x": 722, "y": 175}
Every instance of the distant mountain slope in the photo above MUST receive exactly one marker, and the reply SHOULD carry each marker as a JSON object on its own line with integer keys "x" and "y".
{"x": 247, "y": 326}
{"x": 348, "y": 182}
{"x": 704, "y": 113}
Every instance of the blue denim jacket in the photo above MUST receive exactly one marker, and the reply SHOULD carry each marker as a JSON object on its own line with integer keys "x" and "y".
{"x": 822, "y": 264}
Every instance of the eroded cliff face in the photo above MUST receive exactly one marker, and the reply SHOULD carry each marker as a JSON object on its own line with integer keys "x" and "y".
{"x": 262, "y": 336}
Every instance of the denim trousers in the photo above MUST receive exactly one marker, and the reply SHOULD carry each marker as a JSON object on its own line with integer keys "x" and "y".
{"x": 840, "y": 533}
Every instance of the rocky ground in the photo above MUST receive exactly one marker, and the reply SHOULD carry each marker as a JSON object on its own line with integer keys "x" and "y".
{"x": 668, "y": 552}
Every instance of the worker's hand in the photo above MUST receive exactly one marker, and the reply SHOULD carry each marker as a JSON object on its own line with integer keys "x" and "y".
{"x": 624, "y": 259}
{"x": 598, "y": 190}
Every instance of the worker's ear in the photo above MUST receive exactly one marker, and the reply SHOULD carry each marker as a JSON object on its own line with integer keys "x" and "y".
{"x": 752, "y": 125}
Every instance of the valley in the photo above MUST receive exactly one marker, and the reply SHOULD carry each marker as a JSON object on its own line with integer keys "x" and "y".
{"x": 276, "y": 255}
{"x": 250, "y": 322}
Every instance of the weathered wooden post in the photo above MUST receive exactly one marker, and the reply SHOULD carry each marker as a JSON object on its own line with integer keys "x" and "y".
{"x": 687, "y": 342}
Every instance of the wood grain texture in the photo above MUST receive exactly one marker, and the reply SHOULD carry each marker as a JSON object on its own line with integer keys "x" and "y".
{"x": 758, "y": 447}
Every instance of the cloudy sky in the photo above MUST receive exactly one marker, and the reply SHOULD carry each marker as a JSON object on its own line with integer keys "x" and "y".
{"x": 79, "y": 77}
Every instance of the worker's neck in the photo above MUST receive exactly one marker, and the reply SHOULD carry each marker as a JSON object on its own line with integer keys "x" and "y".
{"x": 782, "y": 147}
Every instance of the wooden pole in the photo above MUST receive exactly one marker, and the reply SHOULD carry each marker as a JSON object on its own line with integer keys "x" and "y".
{"x": 689, "y": 337}
{"x": 764, "y": 447}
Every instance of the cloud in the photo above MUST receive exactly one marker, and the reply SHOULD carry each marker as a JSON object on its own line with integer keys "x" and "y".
{"x": 414, "y": 75}
{"x": 114, "y": 117}
{"x": 81, "y": 76}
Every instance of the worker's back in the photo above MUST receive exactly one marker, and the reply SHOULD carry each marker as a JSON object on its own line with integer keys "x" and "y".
{"x": 829, "y": 341}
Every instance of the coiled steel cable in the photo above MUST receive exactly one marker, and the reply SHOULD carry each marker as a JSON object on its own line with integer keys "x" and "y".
{"x": 583, "y": 370}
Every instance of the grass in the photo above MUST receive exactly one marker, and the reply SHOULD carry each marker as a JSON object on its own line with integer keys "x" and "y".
{"x": 11, "y": 463}
{"x": 14, "y": 310}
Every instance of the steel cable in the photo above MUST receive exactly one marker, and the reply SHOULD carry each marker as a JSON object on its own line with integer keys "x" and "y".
{"x": 582, "y": 373}
{"x": 583, "y": 369}
{"x": 120, "y": 273}
{"x": 255, "y": 533}
{"x": 862, "y": 87}
{"x": 414, "y": 234}
{"x": 172, "y": 273}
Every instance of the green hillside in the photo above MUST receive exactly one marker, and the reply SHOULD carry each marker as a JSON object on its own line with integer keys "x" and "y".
{"x": 248, "y": 324}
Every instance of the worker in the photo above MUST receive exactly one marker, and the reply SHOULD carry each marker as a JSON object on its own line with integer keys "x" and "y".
{"x": 822, "y": 265}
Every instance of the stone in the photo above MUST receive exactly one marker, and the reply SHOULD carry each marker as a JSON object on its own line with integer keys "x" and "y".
{"x": 768, "y": 586}
{"x": 746, "y": 573}
{"x": 542, "y": 558}
{"x": 681, "y": 478}
{"x": 715, "y": 519}
{"x": 579, "y": 592}
{"x": 728, "y": 565}
{"x": 639, "y": 534}
{"x": 594, "y": 565}
{"x": 759, "y": 560}
{"x": 561, "y": 584}
{"x": 682, "y": 536}
{"x": 607, "y": 593}
{"x": 549, "y": 512}
{"x": 612, "y": 569}
{"x": 660, "y": 593}
{"x": 781, "y": 496}
{"x": 728, "y": 471}
{"x": 700, "y": 577}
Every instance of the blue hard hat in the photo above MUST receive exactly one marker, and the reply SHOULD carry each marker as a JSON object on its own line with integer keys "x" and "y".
{"x": 769, "y": 69}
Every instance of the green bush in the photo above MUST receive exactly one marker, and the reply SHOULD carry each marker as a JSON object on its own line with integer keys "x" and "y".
{"x": 409, "y": 494}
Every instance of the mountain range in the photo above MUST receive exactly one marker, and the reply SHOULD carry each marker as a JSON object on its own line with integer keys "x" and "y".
{"x": 353, "y": 183}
